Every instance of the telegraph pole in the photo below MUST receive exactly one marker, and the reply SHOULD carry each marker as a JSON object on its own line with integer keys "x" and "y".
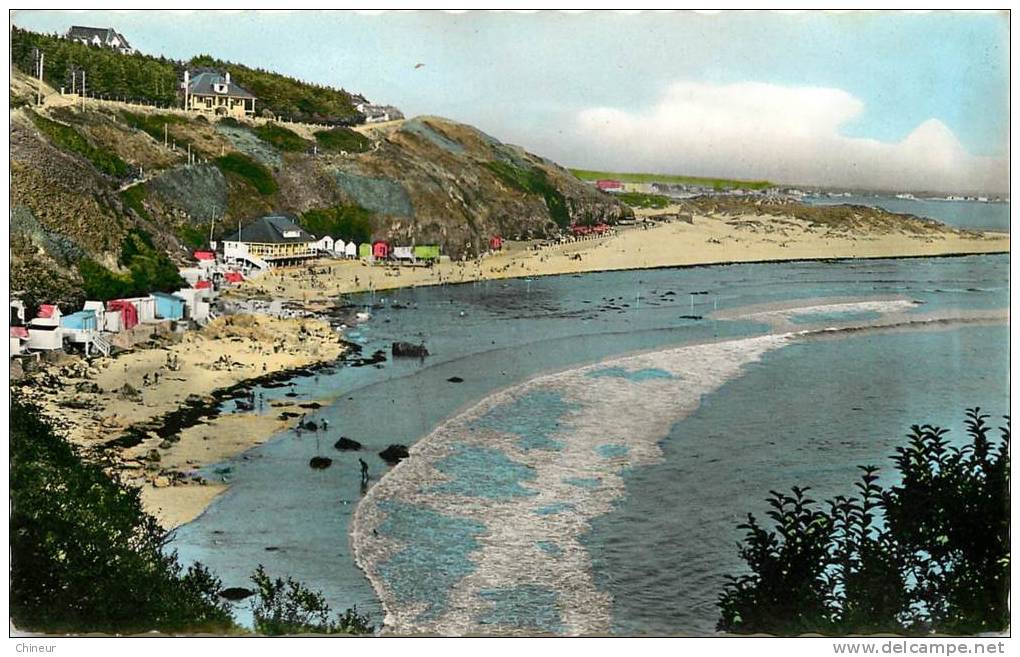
{"x": 40, "y": 59}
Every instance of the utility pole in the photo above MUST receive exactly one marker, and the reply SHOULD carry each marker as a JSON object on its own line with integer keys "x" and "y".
{"x": 164, "y": 135}
{"x": 83, "y": 90}
{"x": 39, "y": 64}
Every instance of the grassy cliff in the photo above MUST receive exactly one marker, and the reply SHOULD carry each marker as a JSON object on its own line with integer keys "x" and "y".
{"x": 78, "y": 199}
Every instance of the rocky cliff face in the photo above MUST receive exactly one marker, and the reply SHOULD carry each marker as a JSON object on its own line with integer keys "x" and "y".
{"x": 425, "y": 180}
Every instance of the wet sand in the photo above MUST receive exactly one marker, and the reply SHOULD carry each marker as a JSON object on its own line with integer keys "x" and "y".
{"x": 253, "y": 346}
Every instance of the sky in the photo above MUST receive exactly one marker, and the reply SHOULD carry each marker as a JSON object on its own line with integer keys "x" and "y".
{"x": 880, "y": 100}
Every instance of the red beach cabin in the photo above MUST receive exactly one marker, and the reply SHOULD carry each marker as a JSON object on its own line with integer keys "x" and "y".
{"x": 496, "y": 243}
{"x": 380, "y": 250}
{"x": 128, "y": 312}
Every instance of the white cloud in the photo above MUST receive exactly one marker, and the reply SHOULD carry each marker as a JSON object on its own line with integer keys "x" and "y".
{"x": 781, "y": 133}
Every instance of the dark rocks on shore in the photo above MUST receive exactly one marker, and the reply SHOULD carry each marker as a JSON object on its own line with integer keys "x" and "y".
{"x": 286, "y": 415}
{"x": 312, "y": 405}
{"x": 236, "y": 593}
{"x": 409, "y": 350}
{"x": 310, "y": 426}
{"x": 320, "y": 462}
{"x": 394, "y": 454}
{"x": 346, "y": 444}
{"x": 455, "y": 379}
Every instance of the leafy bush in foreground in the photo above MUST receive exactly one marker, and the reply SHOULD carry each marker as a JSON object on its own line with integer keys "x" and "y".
{"x": 930, "y": 554}
{"x": 288, "y": 607}
{"x": 84, "y": 555}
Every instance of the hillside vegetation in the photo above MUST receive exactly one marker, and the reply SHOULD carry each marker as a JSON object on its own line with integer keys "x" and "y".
{"x": 286, "y": 97}
{"x": 714, "y": 183}
{"x": 84, "y": 225}
{"x": 148, "y": 79}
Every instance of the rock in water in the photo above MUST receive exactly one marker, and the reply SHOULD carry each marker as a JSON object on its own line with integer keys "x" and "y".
{"x": 236, "y": 593}
{"x": 409, "y": 350}
{"x": 311, "y": 426}
{"x": 394, "y": 454}
{"x": 320, "y": 462}
{"x": 455, "y": 379}
{"x": 346, "y": 443}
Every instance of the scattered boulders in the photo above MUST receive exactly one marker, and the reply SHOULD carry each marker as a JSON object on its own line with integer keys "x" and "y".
{"x": 320, "y": 462}
{"x": 128, "y": 392}
{"x": 153, "y": 456}
{"x": 311, "y": 405}
{"x": 394, "y": 454}
{"x": 346, "y": 444}
{"x": 409, "y": 350}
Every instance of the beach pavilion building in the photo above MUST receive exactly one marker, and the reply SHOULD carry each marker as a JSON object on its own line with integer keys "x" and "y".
{"x": 269, "y": 241}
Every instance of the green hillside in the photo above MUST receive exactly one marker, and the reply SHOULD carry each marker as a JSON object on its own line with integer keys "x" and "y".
{"x": 715, "y": 183}
{"x": 148, "y": 79}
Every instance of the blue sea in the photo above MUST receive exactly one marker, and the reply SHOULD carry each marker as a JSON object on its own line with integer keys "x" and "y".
{"x": 806, "y": 414}
{"x": 972, "y": 215}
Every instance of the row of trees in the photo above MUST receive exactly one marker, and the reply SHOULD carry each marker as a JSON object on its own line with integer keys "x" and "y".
{"x": 85, "y": 557}
{"x": 929, "y": 554}
{"x": 148, "y": 79}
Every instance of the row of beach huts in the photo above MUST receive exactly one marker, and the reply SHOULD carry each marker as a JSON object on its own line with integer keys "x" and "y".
{"x": 99, "y": 326}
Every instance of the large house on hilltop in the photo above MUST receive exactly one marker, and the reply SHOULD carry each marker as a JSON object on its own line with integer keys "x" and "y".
{"x": 269, "y": 241}
{"x": 212, "y": 92}
{"x": 104, "y": 37}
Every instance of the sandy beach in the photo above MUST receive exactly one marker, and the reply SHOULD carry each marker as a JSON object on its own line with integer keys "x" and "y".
{"x": 94, "y": 403}
{"x": 708, "y": 239}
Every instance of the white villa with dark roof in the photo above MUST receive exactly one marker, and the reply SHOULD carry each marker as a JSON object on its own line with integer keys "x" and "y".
{"x": 269, "y": 241}
{"x": 103, "y": 37}
{"x": 213, "y": 92}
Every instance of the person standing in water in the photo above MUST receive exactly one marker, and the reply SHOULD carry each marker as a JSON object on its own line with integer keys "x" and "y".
{"x": 364, "y": 470}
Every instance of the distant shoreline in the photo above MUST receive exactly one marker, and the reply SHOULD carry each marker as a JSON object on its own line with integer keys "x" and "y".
{"x": 702, "y": 242}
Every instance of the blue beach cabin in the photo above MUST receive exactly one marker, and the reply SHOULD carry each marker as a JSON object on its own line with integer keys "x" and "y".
{"x": 168, "y": 306}
{"x": 83, "y": 320}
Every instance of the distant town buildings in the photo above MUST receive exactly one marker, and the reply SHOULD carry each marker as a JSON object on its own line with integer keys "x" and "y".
{"x": 213, "y": 92}
{"x": 102, "y": 37}
{"x": 613, "y": 186}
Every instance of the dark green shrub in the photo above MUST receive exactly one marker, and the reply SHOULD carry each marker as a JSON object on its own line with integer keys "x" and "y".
{"x": 69, "y": 139}
{"x": 348, "y": 222}
{"x": 930, "y": 554}
{"x": 85, "y": 557}
{"x": 133, "y": 197}
{"x": 342, "y": 139}
{"x": 288, "y": 607}
{"x": 249, "y": 170}
{"x": 639, "y": 200}
{"x": 534, "y": 181}
{"x": 280, "y": 137}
